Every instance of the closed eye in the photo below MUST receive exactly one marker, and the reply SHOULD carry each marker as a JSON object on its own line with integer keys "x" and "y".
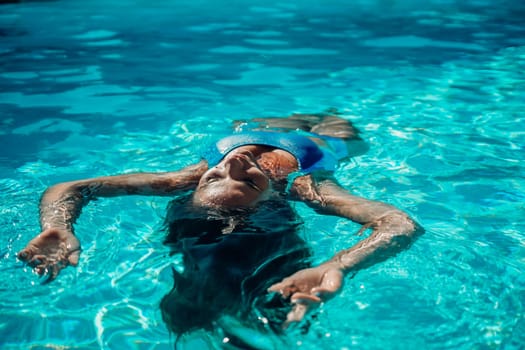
{"x": 211, "y": 179}
{"x": 252, "y": 184}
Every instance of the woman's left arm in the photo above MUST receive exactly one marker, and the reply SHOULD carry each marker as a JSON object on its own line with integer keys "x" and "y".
{"x": 392, "y": 231}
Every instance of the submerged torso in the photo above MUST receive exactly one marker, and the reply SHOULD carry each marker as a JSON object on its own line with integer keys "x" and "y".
{"x": 310, "y": 151}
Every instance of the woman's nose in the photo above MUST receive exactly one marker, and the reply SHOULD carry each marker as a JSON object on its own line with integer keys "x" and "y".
{"x": 235, "y": 167}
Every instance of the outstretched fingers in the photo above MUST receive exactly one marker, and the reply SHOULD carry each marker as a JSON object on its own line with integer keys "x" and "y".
{"x": 25, "y": 255}
{"x": 302, "y": 304}
{"x": 48, "y": 265}
{"x": 305, "y": 299}
{"x": 52, "y": 273}
{"x": 296, "y": 315}
{"x": 285, "y": 288}
{"x": 308, "y": 288}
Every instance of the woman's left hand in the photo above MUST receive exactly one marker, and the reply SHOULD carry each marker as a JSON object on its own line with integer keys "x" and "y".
{"x": 308, "y": 288}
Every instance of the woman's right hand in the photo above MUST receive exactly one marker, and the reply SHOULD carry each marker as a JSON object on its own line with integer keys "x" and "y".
{"x": 308, "y": 288}
{"x": 51, "y": 251}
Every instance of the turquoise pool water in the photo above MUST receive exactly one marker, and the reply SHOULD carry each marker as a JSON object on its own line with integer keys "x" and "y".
{"x": 438, "y": 91}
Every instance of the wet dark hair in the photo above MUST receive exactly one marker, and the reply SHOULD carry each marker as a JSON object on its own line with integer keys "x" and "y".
{"x": 185, "y": 219}
{"x": 230, "y": 257}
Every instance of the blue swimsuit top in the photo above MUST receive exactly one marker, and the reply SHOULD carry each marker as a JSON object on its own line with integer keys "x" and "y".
{"x": 309, "y": 155}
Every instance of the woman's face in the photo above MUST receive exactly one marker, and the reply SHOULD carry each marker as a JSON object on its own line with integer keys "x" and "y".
{"x": 236, "y": 182}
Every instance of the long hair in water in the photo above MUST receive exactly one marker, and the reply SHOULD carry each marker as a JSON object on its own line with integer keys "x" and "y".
{"x": 229, "y": 258}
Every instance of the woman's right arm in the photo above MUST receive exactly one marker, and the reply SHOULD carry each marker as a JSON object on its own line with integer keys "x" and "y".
{"x": 61, "y": 204}
{"x": 56, "y": 246}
